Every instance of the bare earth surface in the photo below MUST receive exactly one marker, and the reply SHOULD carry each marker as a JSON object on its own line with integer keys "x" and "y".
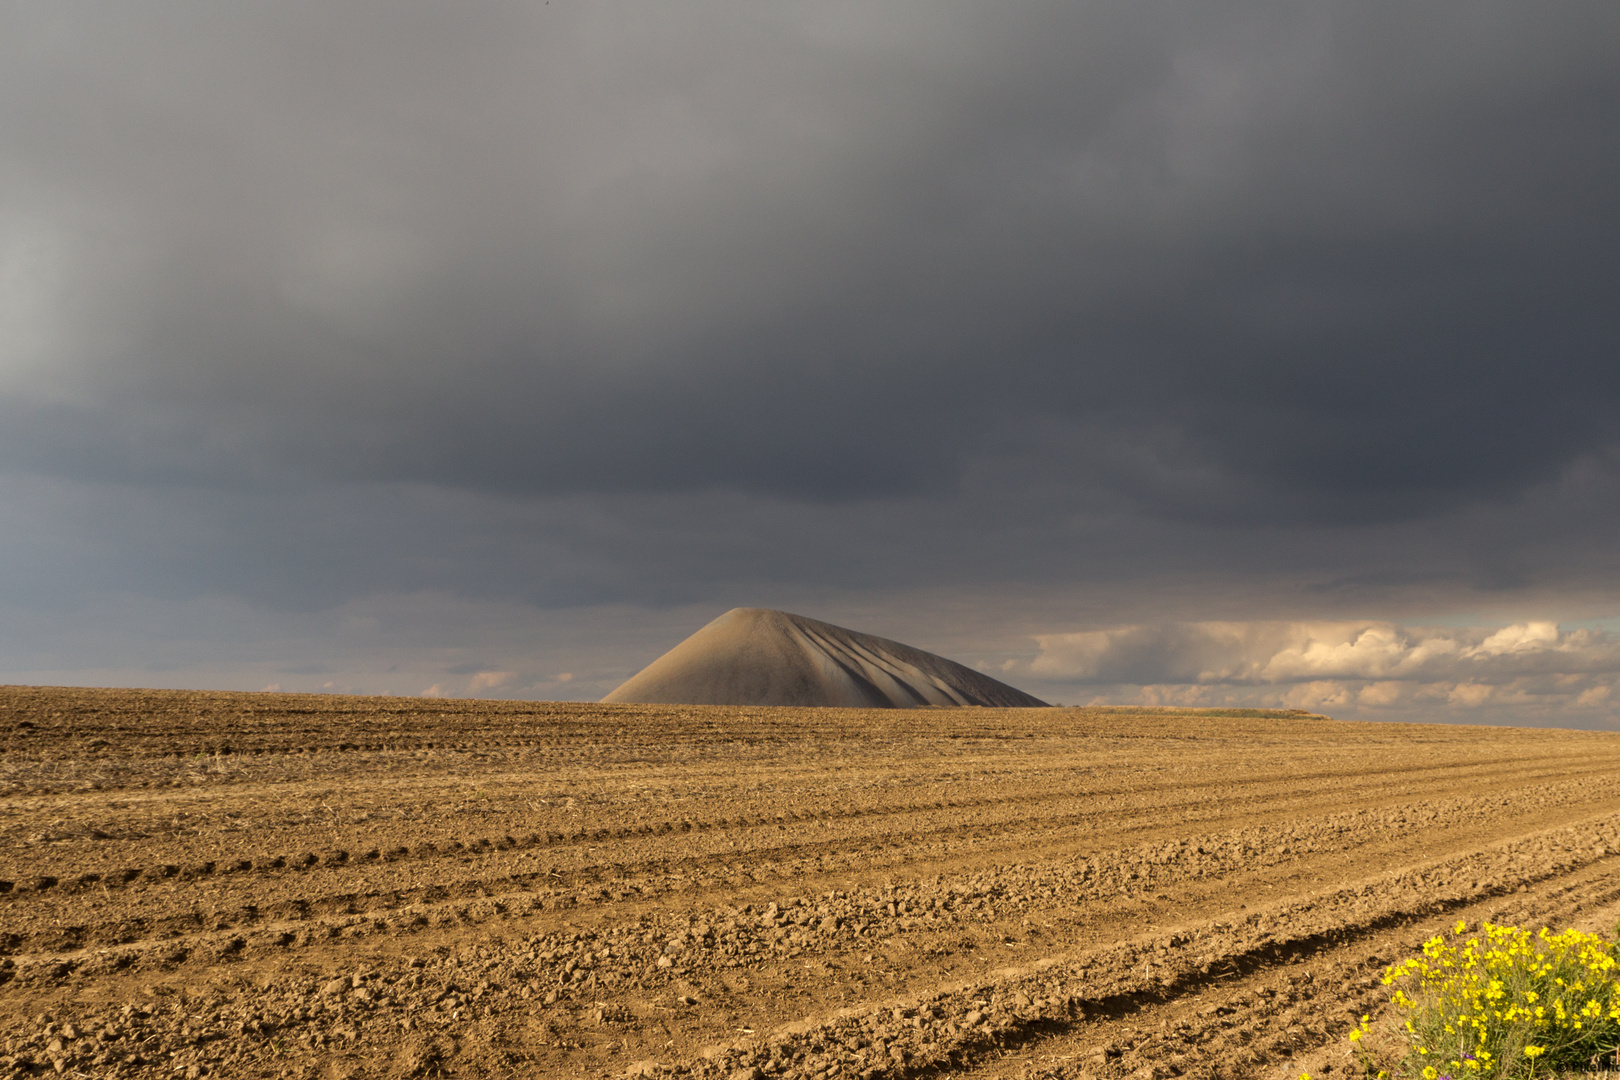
{"x": 261, "y": 885}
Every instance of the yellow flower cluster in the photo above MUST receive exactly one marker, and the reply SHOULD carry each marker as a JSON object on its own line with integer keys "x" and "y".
{"x": 1505, "y": 1002}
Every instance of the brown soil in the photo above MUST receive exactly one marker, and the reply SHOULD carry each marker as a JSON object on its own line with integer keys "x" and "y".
{"x": 260, "y": 885}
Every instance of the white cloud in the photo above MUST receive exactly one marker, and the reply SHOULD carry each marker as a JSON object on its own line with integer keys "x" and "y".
{"x": 1299, "y": 652}
{"x": 1469, "y": 695}
{"x": 1322, "y": 694}
{"x": 490, "y": 680}
{"x": 1520, "y": 637}
{"x": 1533, "y": 667}
{"x": 1380, "y": 695}
{"x": 1593, "y": 696}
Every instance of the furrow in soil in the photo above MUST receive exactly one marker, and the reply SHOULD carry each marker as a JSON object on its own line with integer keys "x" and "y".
{"x": 267, "y": 885}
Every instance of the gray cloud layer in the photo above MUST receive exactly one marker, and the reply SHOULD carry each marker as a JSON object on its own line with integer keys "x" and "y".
{"x": 1280, "y": 652}
{"x": 1358, "y": 665}
{"x": 568, "y": 306}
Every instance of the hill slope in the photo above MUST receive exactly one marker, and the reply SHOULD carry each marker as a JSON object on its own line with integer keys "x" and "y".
{"x": 755, "y": 656}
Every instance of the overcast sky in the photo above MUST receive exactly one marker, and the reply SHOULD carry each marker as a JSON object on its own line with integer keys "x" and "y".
{"x": 1198, "y": 353}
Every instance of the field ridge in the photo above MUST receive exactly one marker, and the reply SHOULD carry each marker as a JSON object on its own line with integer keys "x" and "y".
{"x": 288, "y": 886}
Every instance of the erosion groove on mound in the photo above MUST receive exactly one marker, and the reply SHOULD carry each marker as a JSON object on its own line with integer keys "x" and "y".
{"x": 755, "y": 656}
{"x": 622, "y": 889}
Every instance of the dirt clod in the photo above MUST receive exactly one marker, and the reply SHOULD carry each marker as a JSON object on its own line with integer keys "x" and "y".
{"x": 276, "y": 886}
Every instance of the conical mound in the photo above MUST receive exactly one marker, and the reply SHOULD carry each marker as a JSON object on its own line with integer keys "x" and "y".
{"x": 754, "y": 656}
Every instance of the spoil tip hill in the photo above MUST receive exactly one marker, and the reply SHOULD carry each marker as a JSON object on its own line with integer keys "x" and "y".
{"x": 755, "y": 656}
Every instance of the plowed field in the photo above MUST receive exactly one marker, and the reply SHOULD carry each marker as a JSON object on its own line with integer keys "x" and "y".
{"x": 260, "y": 885}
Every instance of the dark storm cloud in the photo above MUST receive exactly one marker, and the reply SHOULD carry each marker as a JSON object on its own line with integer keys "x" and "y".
{"x": 336, "y": 336}
{"x": 1350, "y": 262}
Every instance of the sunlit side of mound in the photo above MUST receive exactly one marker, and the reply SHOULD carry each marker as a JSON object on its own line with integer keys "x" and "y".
{"x": 755, "y": 656}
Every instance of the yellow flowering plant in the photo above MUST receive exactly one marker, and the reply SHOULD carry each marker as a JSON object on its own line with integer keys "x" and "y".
{"x": 1503, "y": 1004}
